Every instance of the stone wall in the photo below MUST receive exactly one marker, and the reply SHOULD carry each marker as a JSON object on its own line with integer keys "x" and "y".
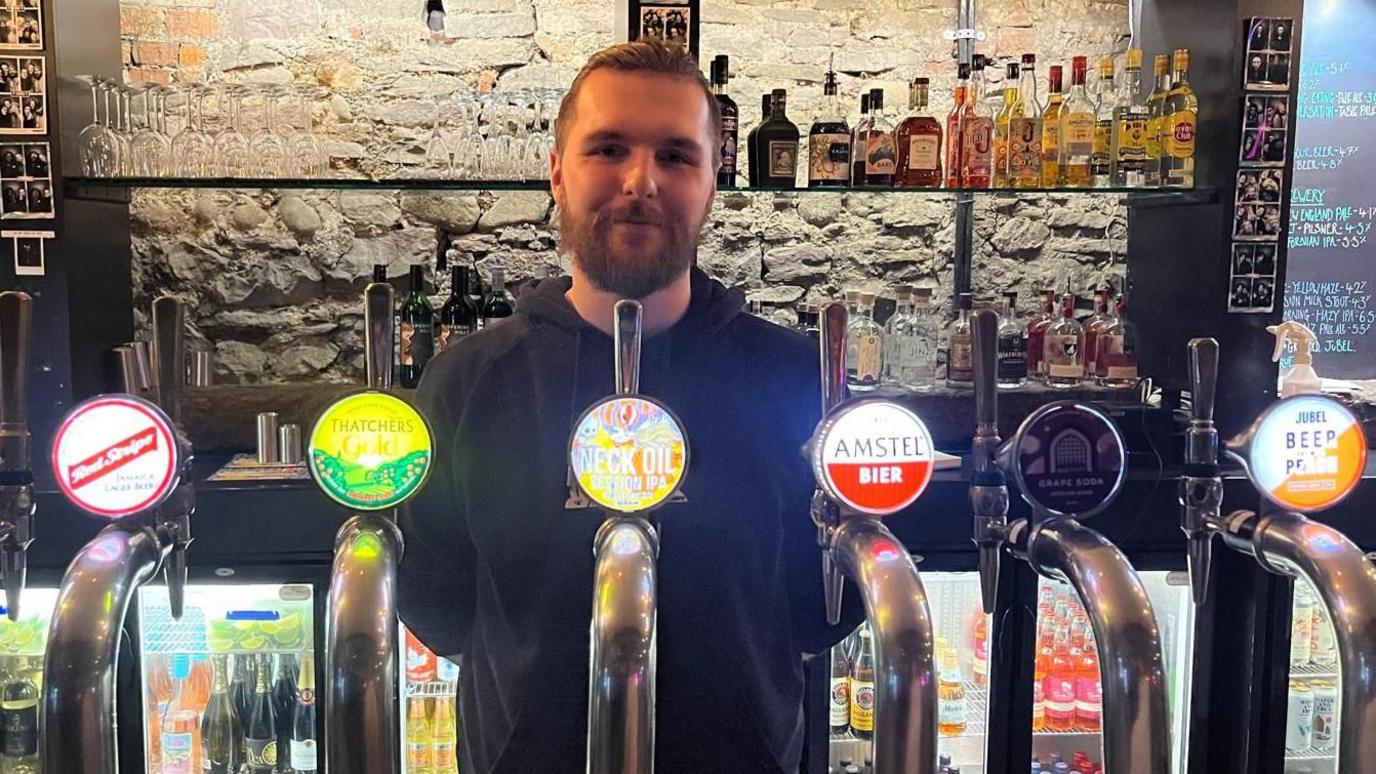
{"x": 274, "y": 276}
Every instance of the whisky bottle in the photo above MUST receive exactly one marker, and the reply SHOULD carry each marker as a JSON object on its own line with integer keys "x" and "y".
{"x": 1092, "y": 325}
{"x": 730, "y": 122}
{"x": 881, "y": 155}
{"x": 1128, "y": 144}
{"x": 977, "y": 133}
{"x": 778, "y": 144}
{"x": 955, "y": 134}
{"x": 857, "y": 143}
{"x": 756, "y": 163}
{"x": 1077, "y": 130}
{"x": 1180, "y": 119}
{"x": 1115, "y": 363}
{"x": 1012, "y": 345}
{"x": 1036, "y": 336}
{"x": 1025, "y": 130}
{"x": 417, "y": 330}
{"x": 960, "y": 367}
{"x": 919, "y": 142}
{"x": 1051, "y": 130}
{"x": 1106, "y": 99}
{"x": 828, "y": 142}
{"x": 1003, "y": 125}
{"x": 864, "y": 345}
{"x": 1063, "y": 349}
{"x": 1156, "y": 105}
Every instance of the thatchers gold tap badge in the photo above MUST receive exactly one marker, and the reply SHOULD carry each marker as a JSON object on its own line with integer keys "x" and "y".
{"x": 116, "y": 455}
{"x": 628, "y": 453}
{"x": 370, "y": 451}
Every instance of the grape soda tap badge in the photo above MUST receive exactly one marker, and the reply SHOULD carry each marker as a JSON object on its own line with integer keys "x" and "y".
{"x": 116, "y": 455}
{"x": 1068, "y": 459}
{"x": 1306, "y": 453}
{"x": 873, "y": 456}
{"x": 370, "y": 451}
{"x": 628, "y": 453}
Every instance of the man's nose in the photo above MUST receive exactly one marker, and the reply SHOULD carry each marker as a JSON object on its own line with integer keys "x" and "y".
{"x": 639, "y": 176}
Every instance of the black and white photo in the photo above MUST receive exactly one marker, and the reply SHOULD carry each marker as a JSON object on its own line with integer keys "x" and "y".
{"x": 1265, "y": 261}
{"x": 1241, "y": 296}
{"x": 1248, "y": 185}
{"x": 1270, "y": 184}
{"x": 29, "y": 250}
{"x": 1257, "y": 73}
{"x": 1263, "y": 293}
{"x": 1278, "y": 70}
{"x": 40, "y": 199}
{"x": 1273, "y": 149}
{"x": 1277, "y": 112}
{"x": 21, "y": 25}
{"x": 1280, "y": 34}
{"x": 11, "y": 161}
{"x": 1243, "y": 259}
{"x": 1259, "y": 36}
{"x": 1255, "y": 109}
{"x": 36, "y": 160}
{"x": 667, "y": 20}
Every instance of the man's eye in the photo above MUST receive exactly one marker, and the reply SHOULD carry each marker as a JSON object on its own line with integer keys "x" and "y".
{"x": 674, "y": 157}
{"x": 608, "y": 151}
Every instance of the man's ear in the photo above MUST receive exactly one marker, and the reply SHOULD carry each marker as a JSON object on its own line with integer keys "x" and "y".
{"x": 556, "y": 175}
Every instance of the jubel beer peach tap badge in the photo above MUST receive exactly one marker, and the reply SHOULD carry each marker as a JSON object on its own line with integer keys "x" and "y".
{"x": 628, "y": 453}
{"x": 874, "y": 457}
{"x": 1308, "y": 453}
{"x": 116, "y": 455}
{"x": 370, "y": 451}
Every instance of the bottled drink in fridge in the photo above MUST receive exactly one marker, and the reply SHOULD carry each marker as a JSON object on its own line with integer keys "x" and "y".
{"x": 303, "y": 754}
{"x": 260, "y": 734}
{"x": 1302, "y": 626}
{"x": 181, "y": 724}
{"x": 862, "y": 689}
{"x": 840, "y": 691}
{"x": 950, "y": 695}
{"x": 241, "y": 695}
{"x": 19, "y": 722}
{"x": 284, "y": 707}
{"x": 444, "y": 757}
{"x": 220, "y": 731}
{"x": 420, "y": 751}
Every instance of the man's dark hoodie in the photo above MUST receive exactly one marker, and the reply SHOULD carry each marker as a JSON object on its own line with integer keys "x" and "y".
{"x": 498, "y": 572}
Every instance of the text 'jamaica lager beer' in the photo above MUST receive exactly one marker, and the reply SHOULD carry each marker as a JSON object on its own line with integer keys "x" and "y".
{"x": 260, "y": 735}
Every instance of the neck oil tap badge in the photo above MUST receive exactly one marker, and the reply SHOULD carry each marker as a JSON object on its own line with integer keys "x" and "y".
{"x": 116, "y": 455}
{"x": 370, "y": 451}
{"x": 873, "y": 456}
{"x": 1306, "y": 453}
{"x": 628, "y": 453}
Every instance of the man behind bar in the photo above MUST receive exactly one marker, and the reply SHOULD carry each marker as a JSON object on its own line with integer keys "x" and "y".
{"x": 499, "y": 573}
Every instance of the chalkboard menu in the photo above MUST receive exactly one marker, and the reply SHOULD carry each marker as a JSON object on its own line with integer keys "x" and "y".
{"x": 1332, "y": 252}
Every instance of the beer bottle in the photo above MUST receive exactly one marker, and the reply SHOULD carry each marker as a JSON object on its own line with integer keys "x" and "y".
{"x": 303, "y": 756}
{"x": 862, "y": 689}
{"x": 260, "y": 735}
{"x": 419, "y": 738}
{"x": 840, "y": 691}
{"x": 446, "y": 737}
{"x": 220, "y": 730}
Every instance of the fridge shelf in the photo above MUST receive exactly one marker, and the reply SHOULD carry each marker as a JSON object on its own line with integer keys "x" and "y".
{"x": 1067, "y": 732}
{"x": 1311, "y": 755}
{"x": 1309, "y": 671}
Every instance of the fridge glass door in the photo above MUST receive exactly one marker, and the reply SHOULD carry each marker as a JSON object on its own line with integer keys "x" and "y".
{"x": 962, "y": 662}
{"x": 204, "y": 678}
{"x": 1067, "y": 695}
{"x": 22, "y": 646}
{"x": 1311, "y": 716}
{"x": 429, "y": 725}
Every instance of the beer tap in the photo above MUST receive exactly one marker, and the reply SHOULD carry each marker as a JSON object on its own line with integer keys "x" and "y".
{"x": 16, "y": 479}
{"x": 856, "y": 544}
{"x": 1305, "y": 453}
{"x": 1136, "y": 726}
{"x": 122, "y": 458}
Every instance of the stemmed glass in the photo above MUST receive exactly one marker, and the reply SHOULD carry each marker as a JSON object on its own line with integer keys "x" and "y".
{"x": 99, "y": 148}
{"x": 439, "y": 161}
{"x": 271, "y": 146}
{"x": 193, "y": 151}
{"x": 308, "y": 158}
{"x": 124, "y": 129}
{"x": 233, "y": 151}
{"x": 150, "y": 149}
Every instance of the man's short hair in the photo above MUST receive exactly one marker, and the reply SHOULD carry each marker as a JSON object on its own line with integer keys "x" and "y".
{"x": 647, "y": 55}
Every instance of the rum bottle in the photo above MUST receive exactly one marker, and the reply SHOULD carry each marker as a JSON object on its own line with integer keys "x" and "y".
{"x": 1077, "y": 130}
{"x": 828, "y": 142}
{"x": 1003, "y": 125}
{"x": 1131, "y": 120}
{"x": 1025, "y": 130}
{"x": 977, "y": 133}
{"x": 1156, "y": 110}
{"x": 864, "y": 346}
{"x": 1106, "y": 99}
{"x": 1181, "y": 116}
{"x": 1063, "y": 350}
{"x": 778, "y": 144}
{"x": 955, "y": 134}
{"x": 1051, "y": 131}
{"x": 960, "y": 369}
{"x": 919, "y": 142}
{"x": 730, "y": 122}
{"x": 881, "y": 155}
{"x": 857, "y": 143}
{"x": 754, "y": 160}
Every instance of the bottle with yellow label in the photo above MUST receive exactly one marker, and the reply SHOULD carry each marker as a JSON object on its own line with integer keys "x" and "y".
{"x": 862, "y": 688}
{"x": 420, "y": 757}
{"x": 1181, "y": 117}
{"x": 446, "y": 737}
{"x": 1128, "y": 144}
{"x": 1002, "y": 124}
{"x": 1107, "y": 96}
{"x": 1051, "y": 131}
{"x": 1156, "y": 106}
{"x": 1077, "y": 129}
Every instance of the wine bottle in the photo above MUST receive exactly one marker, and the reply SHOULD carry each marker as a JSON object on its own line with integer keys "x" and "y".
{"x": 498, "y": 306}
{"x": 260, "y": 735}
{"x": 458, "y": 316}
{"x": 19, "y": 722}
{"x": 303, "y": 757}
{"x": 417, "y": 330}
{"x": 241, "y": 697}
{"x": 220, "y": 730}
{"x": 283, "y": 706}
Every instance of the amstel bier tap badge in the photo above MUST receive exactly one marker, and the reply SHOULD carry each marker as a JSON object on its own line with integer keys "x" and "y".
{"x": 628, "y": 453}
{"x": 116, "y": 455}
{"x": 370, "y": 451}
{"x": 873, "y": 456}
{"x": 1307, "y": 453}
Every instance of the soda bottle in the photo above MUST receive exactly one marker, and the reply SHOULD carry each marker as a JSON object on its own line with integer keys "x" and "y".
{"x": 446, "y": 737}
{"x": 1089, "y": 702}
{"x": 419, "y": 738}
{"x": 1060, "y": 689}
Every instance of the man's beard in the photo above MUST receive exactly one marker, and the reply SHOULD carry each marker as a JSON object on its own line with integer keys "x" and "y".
{"x": 634, "y": 271}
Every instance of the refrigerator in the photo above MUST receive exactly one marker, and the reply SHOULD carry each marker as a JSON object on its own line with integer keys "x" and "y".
{"x": 429, "y": 693}
{"x": 22, "y": 646}
{"x": 1311, "y": 714}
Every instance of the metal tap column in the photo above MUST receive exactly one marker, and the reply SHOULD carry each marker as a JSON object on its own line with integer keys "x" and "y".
{"x": 362, "y": 731}
{"x": 1201, "y": 488}
{"x": 16, "y": 478}
{"x": 989, "y": 487}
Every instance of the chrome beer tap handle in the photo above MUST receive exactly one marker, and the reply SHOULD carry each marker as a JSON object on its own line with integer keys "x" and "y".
{"x": 1201, "y": 488}
{"x": 379, "y": 301}
{"x": 988, "y": 488}
{"x": 173, "y": 517}
{"x": 16, "y": 478}
{"x": 826, "y": 514}
{"x": 626, "y": 336}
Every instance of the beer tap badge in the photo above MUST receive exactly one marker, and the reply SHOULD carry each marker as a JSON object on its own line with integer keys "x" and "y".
{"x": 116, "y": 455}
{"x": 370, "y": 451}
{"x": 873, "y": 456}
{"x": 1068, "y": 460}
{"x": 628, "y": 453}
{"x": 1307, "y": 453}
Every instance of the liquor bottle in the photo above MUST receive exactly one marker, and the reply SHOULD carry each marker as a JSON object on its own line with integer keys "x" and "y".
{"x": 379, "y": 272}
{"x": 857, "y": 143}
{"x": 864, "y": 345}
{"x": 911, "y": 357}
{"x": 756, "y": 162}
{"x": 828, "y": 142}
{"x": 950, "y": 711}
{"x": 1105, "y": 100}
{"x": 881, "y": 154}
{"x": 283, "y": 706}
{"x": 1003, "y": 124}
{"x": 1012, "y": 345}
{"x": 778, "y": 146}
{"x": 458, "y": 316}
{"x": 955, "y": 134}
{"x": 862, "y": 688}
{"x": 1092, "y": 325}
{"x": 417, "y": 330}
{"x": 1077, "y": 130}
{"x": 960, "y": 367}
{"x": 420, "y": 750}
{"x": 260, "y": 733}
{"x": 1036, "y": 336}
{"x": 919, "y": 142}
{"x": 19, "y": 721}
{"x": 1051, "y": 131}
{"x": 444, "y": 756}
{"x": 302, "y": 752}
{"x": 809, "y": 321}
{"x": 840, "y": 692}
{"x": 1063, "y": 350}
{"x": 1115, "y": 362}
{"x": 181, "y": 721}
{"x": 1131, "y": 118}
{"x": 1179, "y": 122}
{"x": 977, "y": 133}
{"x": 1025, "y": 130}
{"x": 730, "y": 122}
{"x": 220, "y": 730}
{"x": 498, "y": 306}
{"x": 1156, "y": 106}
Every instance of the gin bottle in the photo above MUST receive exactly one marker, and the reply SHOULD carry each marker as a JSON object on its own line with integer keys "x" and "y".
{"x": 911, "y": 351}
{"x": 1012, "y": 345}
{"x": 864, "y": 345}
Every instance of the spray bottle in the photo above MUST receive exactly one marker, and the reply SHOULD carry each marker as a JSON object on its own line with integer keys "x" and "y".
{"x": 1300, "y": 378}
